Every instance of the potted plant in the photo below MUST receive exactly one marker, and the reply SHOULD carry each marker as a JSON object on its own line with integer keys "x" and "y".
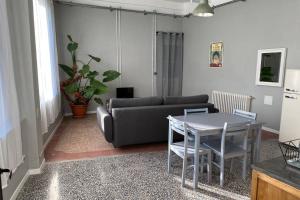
{"x": 83, "y": 84}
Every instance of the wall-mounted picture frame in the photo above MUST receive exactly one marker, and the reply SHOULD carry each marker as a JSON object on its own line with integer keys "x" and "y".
{"x": 216, "y": 54}
{"x": 270, "y": 67}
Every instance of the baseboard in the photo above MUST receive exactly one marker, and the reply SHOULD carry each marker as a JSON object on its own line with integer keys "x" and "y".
{"x": 38, "y": 170}
{"x": 20, "y": 186}
{"x": 24, "y": 179}
{"x": 52, "y": 133}
{"x": 270, "y": 130}
{"x": 88, "y": 112}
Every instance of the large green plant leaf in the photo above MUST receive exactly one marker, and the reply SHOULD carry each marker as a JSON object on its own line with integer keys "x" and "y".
{"x": 98, "y": 100}
{"x": 95, "y": 58}
{"x": 92, "y": 75}
{"x": 72, "y": 46}
{"x": 99, "y": 87}
{"x": 68, "y": 70}
{"x": 110, "y": 75}
{"x": 72, "y": 88}
{"x": 84, "y": 70}
{"x": 101, "y": 90}
{"x": 89, "y": 92}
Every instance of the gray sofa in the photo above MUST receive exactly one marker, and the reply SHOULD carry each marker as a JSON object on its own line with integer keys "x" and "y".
{"x": 143, "y": 120}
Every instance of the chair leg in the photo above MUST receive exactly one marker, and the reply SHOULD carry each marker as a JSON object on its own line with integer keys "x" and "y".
{"x": 196, "y": 162}
{"x": 231, "y": 165}
{"x": 222, "y": 172}
{"x": 209, "y": 167}
{"x": 169, "y": 160}
{"x": 184, "y": 166}
{"x": 244, "y": 166}
{"x": 202, "y": 165}
{"x": 252, "y": 152}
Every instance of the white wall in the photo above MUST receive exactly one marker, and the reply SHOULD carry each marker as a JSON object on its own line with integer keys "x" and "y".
{"x": 244, "y": 28}
{"x": 95, "y": 30}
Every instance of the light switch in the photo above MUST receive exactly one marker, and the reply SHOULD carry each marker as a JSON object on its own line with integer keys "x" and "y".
{"x": 268, "y": 100}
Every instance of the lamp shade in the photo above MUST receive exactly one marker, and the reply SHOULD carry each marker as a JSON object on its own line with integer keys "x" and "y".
{"x": 203, "y": 9}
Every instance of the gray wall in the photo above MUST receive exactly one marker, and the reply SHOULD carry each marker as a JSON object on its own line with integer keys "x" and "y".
{"x": 22, "y": 36}
{"x": 244, "y": 28}
{"x": 95, "y": 30}
{"x": 136, "y": 39}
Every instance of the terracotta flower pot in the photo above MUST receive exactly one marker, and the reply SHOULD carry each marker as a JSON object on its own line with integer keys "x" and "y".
{"x": 79, "y": 111}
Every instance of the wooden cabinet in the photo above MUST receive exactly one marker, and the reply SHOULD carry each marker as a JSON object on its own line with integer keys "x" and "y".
{"x": 265, "y": 187}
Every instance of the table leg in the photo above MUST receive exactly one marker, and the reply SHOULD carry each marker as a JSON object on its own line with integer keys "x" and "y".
{"x": 253, "y": 140}
{"x": 258, "y": 144}
{"x": 170, "y": 141}
{"x": 196, "y": 161}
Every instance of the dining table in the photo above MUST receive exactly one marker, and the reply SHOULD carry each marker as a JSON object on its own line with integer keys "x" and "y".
{"x": 209, "y": 124}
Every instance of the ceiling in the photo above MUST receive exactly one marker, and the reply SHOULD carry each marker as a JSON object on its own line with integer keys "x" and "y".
{"x": 174, "y": 7}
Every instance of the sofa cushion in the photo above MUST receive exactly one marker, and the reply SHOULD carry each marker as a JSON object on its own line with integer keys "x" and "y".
{"x": 186, "y": 100}
{"x": 134, "y": 102}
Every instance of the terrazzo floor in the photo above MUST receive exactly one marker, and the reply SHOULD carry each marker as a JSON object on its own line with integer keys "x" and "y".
{"x": 133, "y": 176}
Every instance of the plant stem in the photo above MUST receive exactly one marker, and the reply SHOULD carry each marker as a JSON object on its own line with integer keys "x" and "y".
{"x": 89, "y": 61}
{"x": 85, "y": 84}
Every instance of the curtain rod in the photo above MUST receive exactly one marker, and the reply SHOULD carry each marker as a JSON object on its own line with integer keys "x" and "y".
{"x": 113, "y": 8}
{"x": 164, "y": 32}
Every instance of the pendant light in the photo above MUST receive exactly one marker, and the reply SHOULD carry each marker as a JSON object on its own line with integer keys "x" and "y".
{"x": 203, "y": 9}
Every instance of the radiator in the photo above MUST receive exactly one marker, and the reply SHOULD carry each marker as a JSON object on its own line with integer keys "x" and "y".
{"x": 227, "y": 102}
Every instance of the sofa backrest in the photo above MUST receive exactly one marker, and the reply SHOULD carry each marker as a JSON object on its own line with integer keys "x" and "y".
{"x": 186, "y": 100}
{"x": 146, "y": 124}
{"x": 134, "y": 102}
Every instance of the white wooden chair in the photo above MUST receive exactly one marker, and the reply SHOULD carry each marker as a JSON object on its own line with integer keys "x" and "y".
{"x": 226, "y": 149}
{"x": 195, "y": 111}
{"x": 186, "y": 149}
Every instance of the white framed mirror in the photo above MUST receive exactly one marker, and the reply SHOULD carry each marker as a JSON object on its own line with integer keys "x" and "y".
{"x": 270, "y": 67}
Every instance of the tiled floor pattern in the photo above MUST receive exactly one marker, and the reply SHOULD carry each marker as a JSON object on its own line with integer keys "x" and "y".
{"x": 81, "y": 138}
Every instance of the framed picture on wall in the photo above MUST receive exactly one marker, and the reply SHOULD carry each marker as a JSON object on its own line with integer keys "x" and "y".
{"x": 216, "y": 54}
{"x": 270, "y": 67}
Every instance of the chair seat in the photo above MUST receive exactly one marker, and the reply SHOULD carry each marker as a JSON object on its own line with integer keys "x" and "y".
{"x": 178, "y": 148}
{"x": 231, "y": 149}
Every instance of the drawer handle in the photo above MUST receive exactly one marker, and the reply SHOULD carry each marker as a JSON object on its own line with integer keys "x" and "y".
{"x": 289, "y": 97}
{"x": 290, "y": 90}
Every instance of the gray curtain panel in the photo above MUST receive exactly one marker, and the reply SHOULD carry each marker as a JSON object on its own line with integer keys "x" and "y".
{"x": 169, "y": 63}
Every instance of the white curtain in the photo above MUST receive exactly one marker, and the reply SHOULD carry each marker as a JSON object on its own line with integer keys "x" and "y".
{"x": 46, "y": 52}
{"x": 10, "y": 131}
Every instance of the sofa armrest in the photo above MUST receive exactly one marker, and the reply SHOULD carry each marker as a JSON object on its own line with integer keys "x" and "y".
{"x": 105, "y": 123}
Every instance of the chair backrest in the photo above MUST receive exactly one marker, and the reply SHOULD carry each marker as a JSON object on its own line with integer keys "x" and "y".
{"x": 245, "y": 114}
{"x": 195, "y": 111}
{"x": 176, "y": 125}
{"x": 232, "y": 130}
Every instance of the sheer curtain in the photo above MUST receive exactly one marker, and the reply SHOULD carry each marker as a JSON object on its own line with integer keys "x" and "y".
{"x": 169, "y": 61}
{"x": 10, "y": 131}
{"x": 46, "y": 53}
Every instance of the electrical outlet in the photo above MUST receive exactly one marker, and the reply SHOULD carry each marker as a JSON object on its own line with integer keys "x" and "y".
{"x": 268, "y": 100}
